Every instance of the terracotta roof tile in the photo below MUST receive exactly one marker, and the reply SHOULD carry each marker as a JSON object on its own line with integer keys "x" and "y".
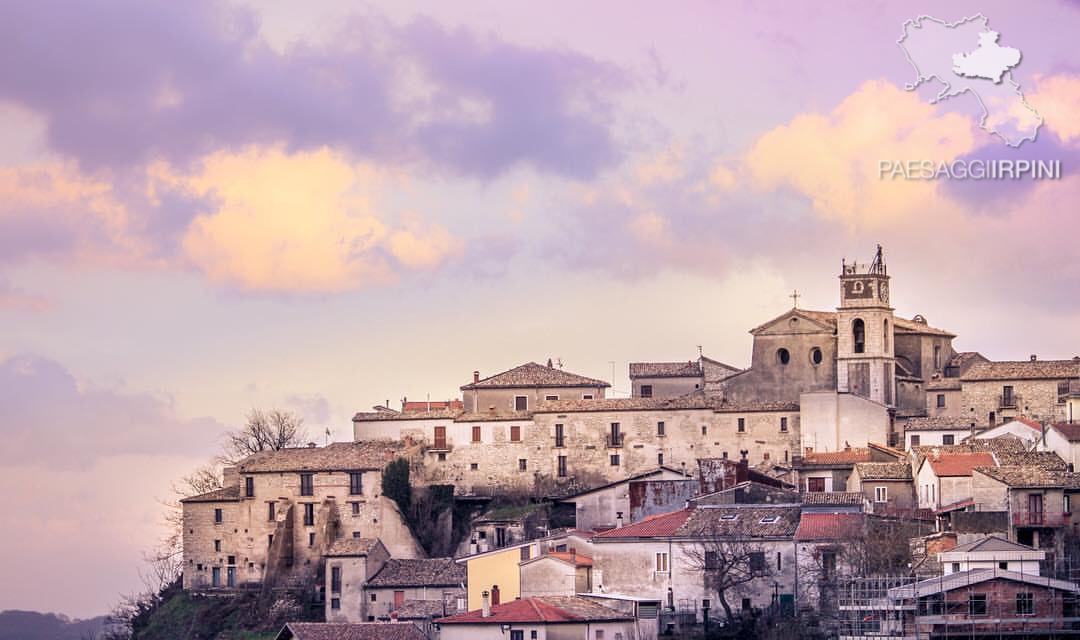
{"x": 424, "y": 572}
{"x": 661, "y": 525}
{"x": 434, "y": 414}
{"x": 352, "y": 547}
{"x": 847, "y": 456}
{"x": 419, "y": 610}
{"x": 884, "y": 470}
{"x": 1016, "y": 476}
{"x": 833, "y": 497}
{"x": 351, "y": 631}
{"x": 538, "y": 610}
{"x": 1070, "y": 431}
{"x": 686, "y": 369}
{"x": 337, "y": 456}
{"x": 828, "y": 526}
{"x": 1023, "y": 370}
{"x": 575, "y": 559}
{"x": 941, "y": 423}
{"x": 532, "y": 374}
{"x": 742, "y": 521}
{"x": 960, "y": 464}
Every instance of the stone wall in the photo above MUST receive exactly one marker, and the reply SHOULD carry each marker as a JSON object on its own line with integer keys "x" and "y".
{"x": 1036, "y": 399}
{"x": 200, "y": 555}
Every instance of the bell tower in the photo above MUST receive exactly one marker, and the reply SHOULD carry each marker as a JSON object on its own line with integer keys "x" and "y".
{"x": 865, "y": 350}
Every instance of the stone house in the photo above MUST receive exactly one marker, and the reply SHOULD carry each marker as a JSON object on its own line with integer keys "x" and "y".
{"x": 1039, "y": 502}
{"x": 887, "y": 486}
{"x": 505, "y": 526}
{"x": 542, "y": 618}
{"x": 944, "y": 478}
{"x": 524, "y": 387}
{"x": 1063, "y": 439}
{"x": 665, "y": 558}
{"x": 283, "y": 509}
{"x": 828, "y": 471}
{"x": 556, "y": 573}
{"x": 936, "y": 431}
{"x": 350, "y": 564}
{"x": 609, "y": 505}
{"x": 401, "y": 583}
{"x": 997, "y": 391}
{"x": 820, "y": 543}
{"x": 672, "y": 379}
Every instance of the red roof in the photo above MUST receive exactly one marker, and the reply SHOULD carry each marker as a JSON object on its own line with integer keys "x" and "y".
{"x": 1031, "y": 423}
{"x": 847, "y": 456}
{"x": 538, "y": 609}
{"x": 664, "y": 524}
{"x": 573, "y": 558}
{"x": 960, "y": 464}
{"x": 1071, "y": 430}
{"x": 828, "y": 526}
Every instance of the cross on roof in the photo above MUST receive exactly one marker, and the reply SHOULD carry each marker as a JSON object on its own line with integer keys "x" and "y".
{"x": 795, "y": 299}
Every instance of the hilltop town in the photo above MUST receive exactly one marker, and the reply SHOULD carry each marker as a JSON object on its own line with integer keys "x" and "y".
{"x": 861, "y": 478}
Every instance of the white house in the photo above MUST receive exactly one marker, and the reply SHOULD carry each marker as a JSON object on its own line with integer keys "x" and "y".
{"x": 945, "y": 479}
{"x": 992, "y": 553}
{"x": 1023, "y": 429}
{"x": 1064, "y": 439}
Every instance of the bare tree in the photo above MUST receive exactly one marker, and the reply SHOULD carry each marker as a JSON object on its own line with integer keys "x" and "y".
{"x": 727, "y": 562}
{"x": 263, "y": 431}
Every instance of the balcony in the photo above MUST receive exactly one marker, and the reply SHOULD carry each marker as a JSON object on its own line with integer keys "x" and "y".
{"x": 615, "y": 440}
{"x": 1039, "y": 519}
{"x": 1009, "y": 401}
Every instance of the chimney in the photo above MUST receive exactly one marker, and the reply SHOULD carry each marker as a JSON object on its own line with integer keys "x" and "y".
{"x": 485, "y": 608}
{"x": 573, "y": 554}
{"x": 619, "y": 520}
{"x": 476, "y": 376}
{"x": 1034, "y": 357}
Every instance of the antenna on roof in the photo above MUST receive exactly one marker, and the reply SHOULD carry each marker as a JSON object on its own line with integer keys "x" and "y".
{"x": 699, "y": 352}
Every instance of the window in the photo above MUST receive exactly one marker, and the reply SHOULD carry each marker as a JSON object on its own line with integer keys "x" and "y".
{"x": 660, "y": 428}
{"x": 525, "y": 553}
{"x": 1008, "y": 399}
{"x": 828, "y": 564}
{"x": 712, "y": 560}
{"x": 551, "y": 397}
{"x": 937, "y": 356}
{"x": 956, "y": 567}
{"x": 1004, "y": 566}
{"x": 1025, "y": 604}
{"x": 532, "y": 634}
{"x": 769, "y": 519}
{"x": 218, "y": 516}
{"x": 249, "y": 487}
{"x": 616, "y": 436}
{"x": 374, "y": 597}
{"x": 562, "y": 466}
{"x": 646, "y": 391}
{"x": 661, "y": 563}
{"x": 948, "y": 438}
{"x": 586, "y": 396}
{"x": 335, "y": 579}
{"x": 356, "y": 534}
{"x": 858, "y": 334}
{"x": 335, "y": 603}
{"x": 614, "y": 459}
{"x": 779, "y": 561}
{"x": 881, "y": 494}
{"x": 309, "y": 514}
{"x": 783, "y": 356}
{"x": 885, "y": 336}
{"x": 474, "y": 466}
{"x": 941, "y": 400}
{"x": 356, "y": 483}
{"x": 914, "y": 440}
{"x": 440, "y": 437}
{"x": 271, "y": 511}
{"x": 599, "y": 635}
{"x": 742, "y": 425}
{"x": 515, "y": 433}
{"x": 816, "y": 356}
{"x": 500, "y": 537}
{"x": 270, "y": 540}
{"x": 521, "y": 403}
{"x": 355, "y": 508}
{"x": 1067, "y": 503}
{"x": 1063, "y": 390}
{"x": 215, "y": 579}
{"x": 307, "y": 484}
{"x": 977, "y": 604}
{"x": 783, "y": 425}
{"x": 757, "y": 561}
{"x": 476, "y": 434}
{"x": 765, "y": 456}
{"x": 523, "y": 464}
{"x": 660, "y": 458}
{"x": 217, "y": 546}
{"x": 517, "y": 634}
{"x": 559, "y": 441}
{"x": 815, "y": 485}
{"x": 311, "y": 539}
{"x": 704, "y": 430}
{"x": 442, "y": 457}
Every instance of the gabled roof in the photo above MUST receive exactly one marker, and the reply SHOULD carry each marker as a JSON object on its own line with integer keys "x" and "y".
{"x": 829, "y": 526}
{"x": 1069, "y": 430}
{"x": 540, "y": 610}
{"x": 1020, "y": 476}
{"x": 918, "y": 325}
{"x": 883, "y": 470}
{"x": 1023, "y": 370}
{"x": 421, "y": 572}
{"x": 345, "y": 547}
{"x": 350, "y": 631}
{"x": 962, "y": 579}
{"x": 337, "y": 456}
{"x": 833, "y": 498}
{"x": 575, "y": 559}
{"x": 226, "y": 494}
{"x": 990, "y": 543}
{"x": 660, "y": 525}
{"x": 531, "y": 375}
{"x": 952, "y": 465}
{"x": 941, "y": 423}
{"x": 742, "y": 521}
{"x": 845, "y": 457}
{"x": 1046, "y": 460}
{"x": 637, "y": 476}
{"x": 824, "y": 321}
{"x": 687, "y": 369}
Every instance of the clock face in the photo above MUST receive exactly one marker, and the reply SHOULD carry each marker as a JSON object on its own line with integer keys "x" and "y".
{"x": 859, "y": 288}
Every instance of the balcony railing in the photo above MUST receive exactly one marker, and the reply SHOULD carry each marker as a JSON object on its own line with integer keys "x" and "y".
{"x": 1039, "y": 519}
{"x": 1009, "y": 401}
{"x": 615, "y": 441}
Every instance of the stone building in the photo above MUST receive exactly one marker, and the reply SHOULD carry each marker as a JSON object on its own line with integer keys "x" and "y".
{"x": 888, "y": 486}
{"x": 994, "y": 392}
{"x": 524, "y": 386}
{"x": 350, "y": 564}
{"x": 672, "y": 379}
{"x": 283, "y": 509}
{"x": 404, "y": 582}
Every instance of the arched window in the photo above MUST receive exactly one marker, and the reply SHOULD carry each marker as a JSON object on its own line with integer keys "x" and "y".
{"x": 782, "y": 356}
{"x": 858, "y": 331}
{"x": 885, "y": 335}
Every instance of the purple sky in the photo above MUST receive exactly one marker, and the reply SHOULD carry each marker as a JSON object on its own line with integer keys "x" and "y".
{"x": 323, "y": 206}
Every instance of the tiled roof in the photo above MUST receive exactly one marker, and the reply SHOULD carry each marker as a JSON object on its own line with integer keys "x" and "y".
{"x": 1027, "y": 422}
{"x": 944, "y": 384}
{"x": 828, "y": 318}
{"x": 753, "y": 521}
{"x": 427, "y": 572}
{"x": 1032, "y": 477}
{"x": 532, "y": 374}
{"x": 692, "y": 400}
{"x": 1069, "y": 430}
{"x": 539, "y": 610}
{"x": 351, "y": 631}
{"x": 1023, "y": 370}
{"x": 665, "y": 369}
{"x": 352, "y": 547}
{"x": 1047, "y": 460}
{"x": 337, "y": 456}
{"x": 990, "y": 543}
{"x": 997, "y": 446}
{"x": 829, "y": 526}
{"x": 575, "y": 559}
{"x": 904, "y": 325}
{"x": 940, "y": 423}
{"x": 884, "y": 470}
{"x": 960, "y": 464}
{"x": 434, "y": 414}
{"x": 501, "y": 416}
{"x": 226, "y": 494}
{"x": 420, "y": 610}
{"x": 661, "y": 525}
{"x": 833, "y": 497}
{"x": 847, "y": 456}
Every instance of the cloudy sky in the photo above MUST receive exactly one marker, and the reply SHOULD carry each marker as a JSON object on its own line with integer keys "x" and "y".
{"x": 206, "y": 207}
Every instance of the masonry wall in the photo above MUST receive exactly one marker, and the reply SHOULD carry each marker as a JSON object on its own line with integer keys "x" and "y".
{"x": 199, "y": 555}
{"x": 667, "y": 387}
{"x": 768, "y": 380}
{"x": 502, "y": 399}
{"x": 932, "y": 437}
{"x": 1036, "y": 399}
{"x": 832, "y": 420}
{"x": 551, "y": 577}
{"x": 380, "y": 601}
{"x": 355, "y": 572}
{"x": 954, "y": 405}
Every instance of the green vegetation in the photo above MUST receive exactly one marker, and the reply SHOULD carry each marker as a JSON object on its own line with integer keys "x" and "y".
{"x": 395, "y": 484}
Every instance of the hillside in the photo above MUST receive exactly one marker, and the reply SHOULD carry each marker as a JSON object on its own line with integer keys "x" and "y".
{"x": 183, "y": 616}
{"x": 32, "y": 625}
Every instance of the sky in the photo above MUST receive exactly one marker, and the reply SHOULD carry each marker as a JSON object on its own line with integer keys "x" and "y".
{"x": 207, "y": 207}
